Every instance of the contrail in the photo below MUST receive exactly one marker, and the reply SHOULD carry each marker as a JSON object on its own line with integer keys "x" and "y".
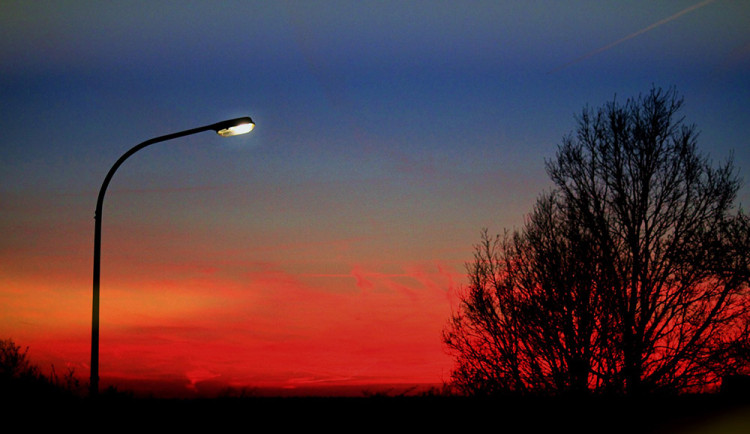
{"x": 639, "y": 32}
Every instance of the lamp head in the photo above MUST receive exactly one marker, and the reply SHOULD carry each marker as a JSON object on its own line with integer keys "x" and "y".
{"x": 234, "y": 127}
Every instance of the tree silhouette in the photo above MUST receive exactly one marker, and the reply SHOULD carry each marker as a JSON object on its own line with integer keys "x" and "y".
{"x": 630, "y": 276}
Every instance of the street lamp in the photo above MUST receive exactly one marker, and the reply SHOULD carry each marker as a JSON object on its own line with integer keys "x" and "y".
{"x": 228, "y": 128}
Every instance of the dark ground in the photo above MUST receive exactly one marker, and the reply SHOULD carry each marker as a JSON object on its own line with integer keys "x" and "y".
{"x": 682, "y": 414}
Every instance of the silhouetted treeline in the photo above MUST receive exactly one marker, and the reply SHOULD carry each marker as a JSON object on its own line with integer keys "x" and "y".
{"x": 37, "y": 400}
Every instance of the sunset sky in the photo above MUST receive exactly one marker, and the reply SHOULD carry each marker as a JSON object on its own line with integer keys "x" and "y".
{"x": 326, "y": 247}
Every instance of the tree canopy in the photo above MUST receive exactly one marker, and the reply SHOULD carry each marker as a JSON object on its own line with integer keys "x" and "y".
{"x": 630, "y": 276}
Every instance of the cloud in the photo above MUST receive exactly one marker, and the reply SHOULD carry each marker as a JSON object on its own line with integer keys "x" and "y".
{"x": 197, "y": 375}
{"x": 362, "y": 281}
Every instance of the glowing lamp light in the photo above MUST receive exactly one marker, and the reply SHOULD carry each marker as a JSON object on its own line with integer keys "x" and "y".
{"x": 242, "y": 126}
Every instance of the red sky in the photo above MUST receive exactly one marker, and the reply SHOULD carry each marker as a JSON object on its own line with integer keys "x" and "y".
{"x": 183, "y": 306}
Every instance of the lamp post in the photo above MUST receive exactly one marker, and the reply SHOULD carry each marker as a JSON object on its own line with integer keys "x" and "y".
{"x": 226, "y": 128}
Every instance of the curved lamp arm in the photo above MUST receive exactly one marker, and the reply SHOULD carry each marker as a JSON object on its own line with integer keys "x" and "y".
{"x": 226, "y": 128}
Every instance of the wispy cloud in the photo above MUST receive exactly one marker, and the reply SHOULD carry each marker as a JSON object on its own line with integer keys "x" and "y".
{"x": 633, "y": 35}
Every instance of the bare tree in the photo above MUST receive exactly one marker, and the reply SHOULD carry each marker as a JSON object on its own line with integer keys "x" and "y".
{"x": 630, "y": 276}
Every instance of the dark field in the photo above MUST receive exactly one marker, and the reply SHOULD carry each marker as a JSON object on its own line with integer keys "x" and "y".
{"x": 683, "y": 414}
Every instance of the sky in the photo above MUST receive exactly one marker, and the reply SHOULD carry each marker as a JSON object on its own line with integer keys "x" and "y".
{"x": 326, "y": 248}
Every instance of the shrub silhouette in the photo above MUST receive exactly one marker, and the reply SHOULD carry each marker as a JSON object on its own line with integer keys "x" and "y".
{"x": 19, "y": 378}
